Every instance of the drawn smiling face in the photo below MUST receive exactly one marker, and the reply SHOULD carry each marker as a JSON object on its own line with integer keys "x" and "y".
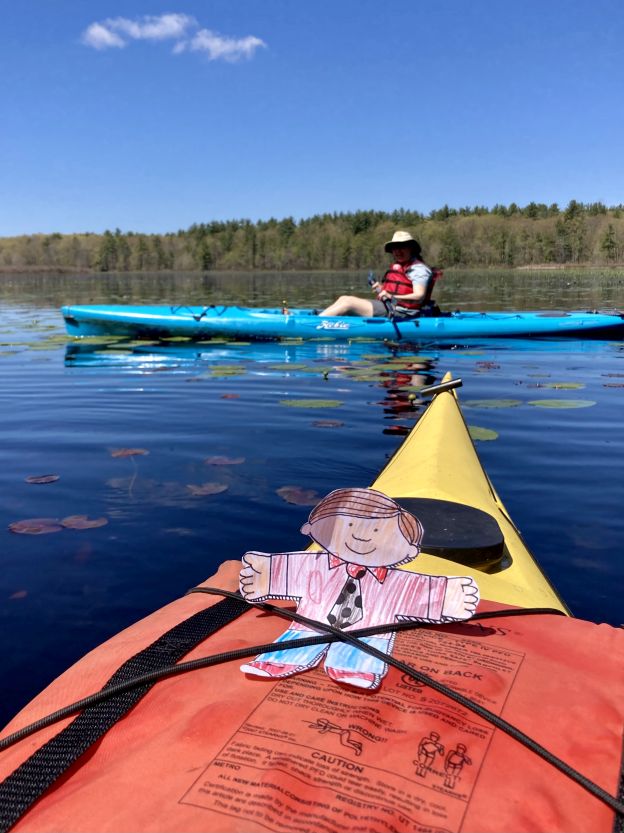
{"x": 371, "y": 542}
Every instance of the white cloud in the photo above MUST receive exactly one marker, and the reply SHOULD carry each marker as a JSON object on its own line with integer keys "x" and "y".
{"x": 216, "y": 46}
{"x": 118, "y": 32}
{"x": 167, "y": 26}
{"x": 99, "y": 37}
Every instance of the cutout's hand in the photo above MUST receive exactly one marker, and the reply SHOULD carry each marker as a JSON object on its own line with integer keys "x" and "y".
{"x": 461, "y": 599}
{"x": 254, "y": 579}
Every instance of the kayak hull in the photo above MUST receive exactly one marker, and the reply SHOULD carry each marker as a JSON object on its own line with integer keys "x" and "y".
{"x": 264, "y": 324}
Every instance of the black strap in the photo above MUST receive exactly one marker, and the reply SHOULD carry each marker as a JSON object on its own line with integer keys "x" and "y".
{"x": 20, "y": 790}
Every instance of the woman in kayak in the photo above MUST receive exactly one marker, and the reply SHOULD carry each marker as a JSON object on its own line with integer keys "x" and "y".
{"x": 405, "y": 289}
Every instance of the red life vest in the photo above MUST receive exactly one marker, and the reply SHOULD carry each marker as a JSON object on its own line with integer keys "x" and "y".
{"x": 396, "y": 281}
{"x": 304, "y": 752}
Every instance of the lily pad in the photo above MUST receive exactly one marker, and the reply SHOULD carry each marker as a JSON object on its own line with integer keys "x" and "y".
{"x": 42, "y": 478}
{"x": 219, "y": 460}
{"x": 36, "y": 526}
{"x": 287, "y": 366}
{"x": 492, "y": 403}
{"x": 228, "y": 370}
{"x": 204, "y": 489}
{"x": 297, "y": 495}
{"x": 563, "y": 385}
{"x": 561, "y": 403}
{"x": 128, "y": 452}
{"x": 482, "y": 434}
{"x": 327, "y": 423}
{"x": 83, "y": 522}
{"x": 311, "y": 403}
{"x": 230, "y": 396}
{"x": 97, "y": 339}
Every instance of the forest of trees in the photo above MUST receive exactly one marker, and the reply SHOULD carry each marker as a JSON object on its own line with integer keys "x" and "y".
{"x": 503, "y": 236}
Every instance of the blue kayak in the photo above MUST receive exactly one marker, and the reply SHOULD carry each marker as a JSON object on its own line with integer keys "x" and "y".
{"x": 256, "y": 323}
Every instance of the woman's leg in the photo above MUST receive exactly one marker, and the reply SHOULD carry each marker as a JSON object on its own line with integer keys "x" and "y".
{"x": 350, "y": 305}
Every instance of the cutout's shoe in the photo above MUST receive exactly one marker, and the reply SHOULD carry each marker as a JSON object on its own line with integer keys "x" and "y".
{"x": 261, "y": 668}
{"x": 359, "y": 679}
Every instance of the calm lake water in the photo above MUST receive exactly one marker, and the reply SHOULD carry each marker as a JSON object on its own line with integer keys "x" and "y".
{"x": 75, "y": 411}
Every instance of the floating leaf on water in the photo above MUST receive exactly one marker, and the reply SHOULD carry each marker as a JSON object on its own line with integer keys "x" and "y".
{"x": 297, "y": 495}
{"x": 230, "y": 396}
{"x": 41, "y": 345}
{"x": 563, "y": 385}
{"x": 96, "y": 339}
{"x": 487, "y": 365}
{"x": 219, "y": 460}
{"x": 228, "y": 370}
{"x": 42, "y": 478}
{"x": 482, "y": 434}
{"x": 362, "y": 376}
{"x": 327, "y": 423}
{"x": 19, "y": 594}
{"x": 204, "y": 489}
{"x": 561, "y": 403}
{"x": 83, "y": 522}
{"x": 36, "y": 526}
{"x": 287, "y": 366}
{"x": 311, "y": 403}
{"x": 492, "y": 403}
{"x": 128, "y": 452}
{"x": 613, "y": 384}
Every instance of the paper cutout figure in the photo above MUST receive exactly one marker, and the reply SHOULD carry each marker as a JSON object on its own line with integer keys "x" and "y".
{"x": 352, "y": 583}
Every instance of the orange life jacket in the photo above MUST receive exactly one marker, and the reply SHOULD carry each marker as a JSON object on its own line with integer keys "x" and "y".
{"x": 216, "y": 750}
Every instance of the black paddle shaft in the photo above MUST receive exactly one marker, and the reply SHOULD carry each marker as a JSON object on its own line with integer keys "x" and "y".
{"x": 388, "y": 305}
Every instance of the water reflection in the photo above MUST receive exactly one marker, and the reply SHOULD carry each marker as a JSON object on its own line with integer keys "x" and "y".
{"x": 399, "y": 376}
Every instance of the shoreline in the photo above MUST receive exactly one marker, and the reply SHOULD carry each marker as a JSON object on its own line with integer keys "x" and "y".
{"x": 76, "y": 270}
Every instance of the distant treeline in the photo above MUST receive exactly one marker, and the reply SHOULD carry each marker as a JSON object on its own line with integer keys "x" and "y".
{"x": 537, "y": 234}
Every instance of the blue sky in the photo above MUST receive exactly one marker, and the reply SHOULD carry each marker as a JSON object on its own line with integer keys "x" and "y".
{"x": 150, "y": 116}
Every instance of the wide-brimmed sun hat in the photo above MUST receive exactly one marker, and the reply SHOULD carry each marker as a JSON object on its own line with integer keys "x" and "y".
{"x": 402, "y": 238}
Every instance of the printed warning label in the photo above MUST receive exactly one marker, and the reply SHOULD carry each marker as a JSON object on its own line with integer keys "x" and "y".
{"x": 316, "y": 756}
